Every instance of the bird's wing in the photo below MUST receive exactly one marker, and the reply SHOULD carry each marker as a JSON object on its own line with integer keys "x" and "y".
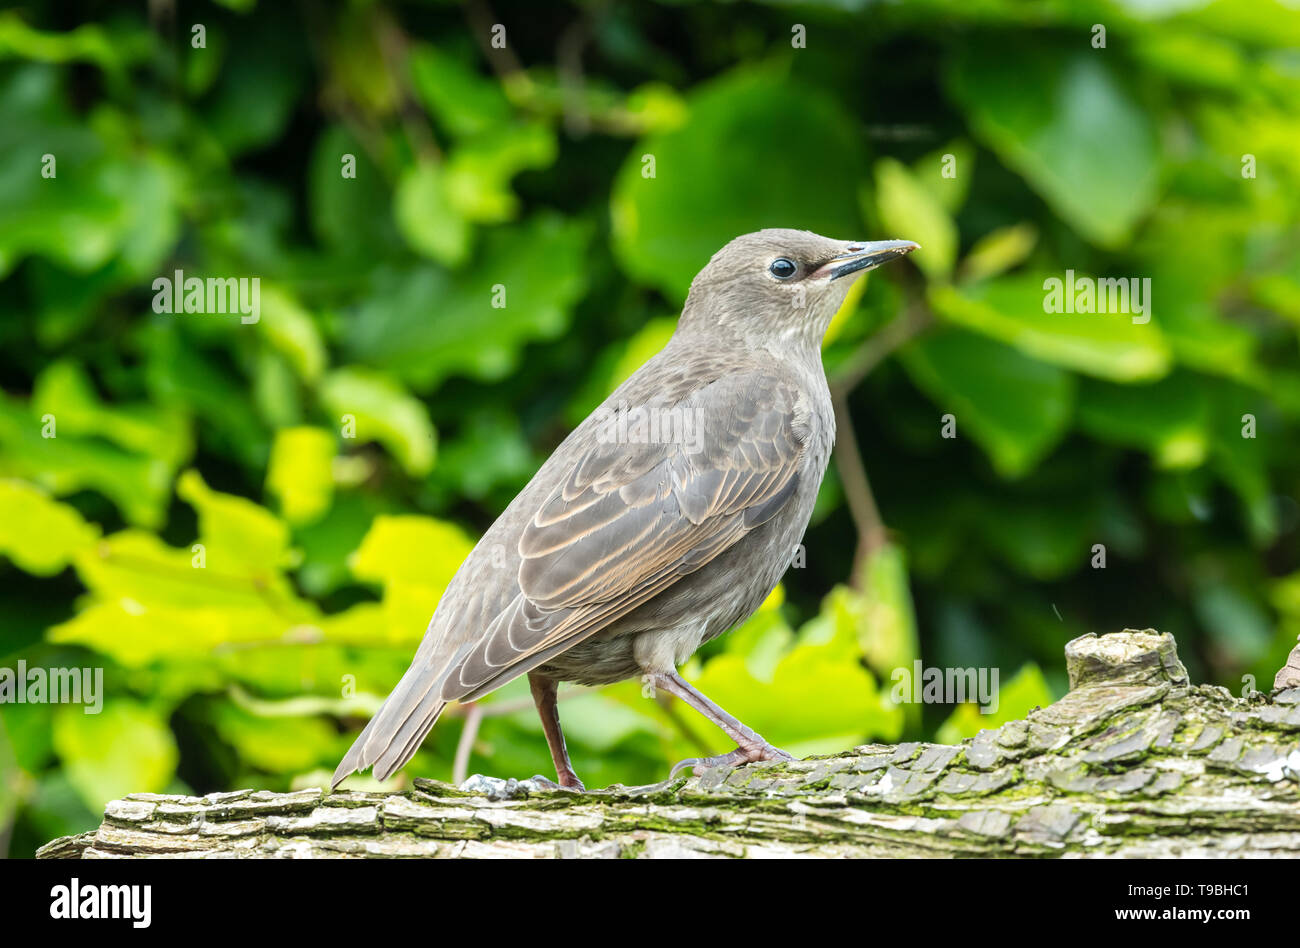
{"x": 627, "y": 520}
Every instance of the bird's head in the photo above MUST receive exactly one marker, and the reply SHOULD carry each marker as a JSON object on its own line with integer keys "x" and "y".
{"x": 778, "y": 284}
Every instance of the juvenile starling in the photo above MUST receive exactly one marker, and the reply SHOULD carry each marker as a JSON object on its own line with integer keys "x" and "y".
{"x": 662, "y": 521}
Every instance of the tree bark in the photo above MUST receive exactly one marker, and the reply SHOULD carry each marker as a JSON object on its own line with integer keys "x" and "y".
{"x": 1133, "y": 761}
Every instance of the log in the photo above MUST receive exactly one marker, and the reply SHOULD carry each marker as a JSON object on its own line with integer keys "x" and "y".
{"x": 1133, "y": 761}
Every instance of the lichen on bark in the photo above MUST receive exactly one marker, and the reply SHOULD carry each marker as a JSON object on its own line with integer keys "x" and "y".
{"x": 1133, "y": 761}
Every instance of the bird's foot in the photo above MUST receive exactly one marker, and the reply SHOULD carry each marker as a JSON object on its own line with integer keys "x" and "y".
{"x": 744, "y": 754}
{"x": 568, "y": 781}
{"x": 498, "y": 788}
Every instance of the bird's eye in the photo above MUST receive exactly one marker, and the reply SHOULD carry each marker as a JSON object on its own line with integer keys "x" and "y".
{"x": 782, "y": 268}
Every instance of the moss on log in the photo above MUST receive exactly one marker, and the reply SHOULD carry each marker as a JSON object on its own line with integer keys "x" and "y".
{"x": 1133, "y": 761}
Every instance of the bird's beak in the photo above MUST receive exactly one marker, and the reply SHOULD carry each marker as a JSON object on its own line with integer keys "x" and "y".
{"x": 866, "y": 256}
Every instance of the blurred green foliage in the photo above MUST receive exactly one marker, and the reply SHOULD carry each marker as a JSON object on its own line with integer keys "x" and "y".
{"x": 247, "y": 526}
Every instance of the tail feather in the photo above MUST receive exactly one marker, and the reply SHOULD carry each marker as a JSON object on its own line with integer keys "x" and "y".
{"x": 394, "y": 758}
{"x": 397, "y": 729}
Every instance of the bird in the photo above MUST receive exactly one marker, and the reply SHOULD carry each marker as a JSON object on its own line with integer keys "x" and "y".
{"x": 663, "y": 520}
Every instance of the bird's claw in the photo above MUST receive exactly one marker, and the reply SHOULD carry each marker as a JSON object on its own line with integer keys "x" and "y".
{"x": 571, "y": 782}
{"x": 741, "y": 755}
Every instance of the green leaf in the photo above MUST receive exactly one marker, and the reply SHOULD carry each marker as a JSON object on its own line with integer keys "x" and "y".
{"x": 26, "y": 741}
{"x": 360, "y": 62}
{"x": 280, "y": 745}
{"x": 490, "y": 453}
{"x": 882, "y": 613}
{"x": 292, "y": 331}
{"x": 596, "y": 721}
{"x": 301, "y": 473}
{"x": 1042, "y": 537}
{"x": 702, "y": 194}
{"x": 948, "y": 181}
{"x": 816, "y": 698}
{"x": 179, "y": 373}
{"x": 619, "y": 360}
{"x": 135, "y": 638}
{"x": 240, "y": 537}
{"x": 65, "y": 391}
{"x": 105, "y": 201}
{"x": 1242, "y": 462}
{"x": 413, "y": 549}
{"x": 999, "y": 251}
{"x": 1199, "y": 335}
{"x": 1273, "y": 22}
{"x": 427, "y": 216}
{"x": 154, "y": 601}
{"x": 126, "y": 748}
{"x": 65, "y": 464}
{"x": 424, "y": 324}
{"x": 112, "y": 50}
{"x": 762, "y": 640}
{"x": 342, "y": 209}
{"x": 1197, "y": 60}
{"x": 1081, "y": 139}
{"x": 275, "y": 390}
{"x": 327, "y": 543}
{"x": 254, "y": 97}
{"x": 414, "y": 558}
{"x": 1167, "y": 419}
{"x": 316, "y": 672}
{"x": 649, "y": 339}
{"x": 910, "y": 211}
{"x": 381, "y": 410}
{"x": 478, "y": 172}
{"x": 464, "y": 101}
{"x": 1012, "y": 310}
{"x": 40, "y": 535}
{"x": 1016, "y": 408}
{"x": 1236, "y": 622}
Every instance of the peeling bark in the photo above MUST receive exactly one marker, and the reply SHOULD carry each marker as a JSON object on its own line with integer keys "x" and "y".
{"x": 1289, "y": 674}
{"x": 1133, "y": 761}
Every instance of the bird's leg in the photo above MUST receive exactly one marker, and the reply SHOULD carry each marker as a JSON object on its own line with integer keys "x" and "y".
{"x": 750, "y": 745}
{"x": 548, "y": 710}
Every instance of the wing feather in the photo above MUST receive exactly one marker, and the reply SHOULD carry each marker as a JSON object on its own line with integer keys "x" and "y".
{"x": 629, "y": 520}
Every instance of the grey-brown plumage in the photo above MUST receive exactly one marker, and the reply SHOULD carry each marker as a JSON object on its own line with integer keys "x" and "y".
{"x": 663, "y": 520}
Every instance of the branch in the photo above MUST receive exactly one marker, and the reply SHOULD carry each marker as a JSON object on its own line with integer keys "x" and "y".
{"x": 875, "y": 349}
{"x": 857, "y": 489}
{"x": 872, "y": 534}
{"x": 1133, "y": 761}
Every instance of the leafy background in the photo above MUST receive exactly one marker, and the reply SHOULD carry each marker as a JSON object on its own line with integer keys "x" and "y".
{"x": 325, "y": 555}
